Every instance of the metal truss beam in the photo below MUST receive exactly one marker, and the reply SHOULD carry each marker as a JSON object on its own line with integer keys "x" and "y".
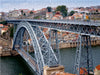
{"x": 83, "y": 60}
{"x": 87, "y": 28}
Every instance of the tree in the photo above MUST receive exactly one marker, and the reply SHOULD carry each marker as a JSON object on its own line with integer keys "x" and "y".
{"x": 63, "y": 10}
{"x": 22, "y": 12}
{"x": 49, "y": 9}
{"x": 11, "y": 32}
{"x": 31, "y": 12}
{"x": 96, "y": 10}
{"x": 71, "y": 13}
{"x": 3, "y": 22}
{"x": 37, "y": 17}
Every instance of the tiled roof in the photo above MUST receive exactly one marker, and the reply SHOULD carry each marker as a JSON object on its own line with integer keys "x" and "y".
{"x": 1, "y": 25}
{"x": 5, "y": 29}
{"x": 98, "y": 67}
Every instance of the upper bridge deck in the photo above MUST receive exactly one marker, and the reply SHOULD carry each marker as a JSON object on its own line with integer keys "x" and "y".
{"x": 80, "y": 27}
{"x": 74, "y": 22}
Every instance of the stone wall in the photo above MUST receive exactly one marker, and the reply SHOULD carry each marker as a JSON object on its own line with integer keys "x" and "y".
{"x": 74, "y": 44}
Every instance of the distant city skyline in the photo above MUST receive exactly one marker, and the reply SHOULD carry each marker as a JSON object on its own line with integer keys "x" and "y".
{"x": 8, "y": 5}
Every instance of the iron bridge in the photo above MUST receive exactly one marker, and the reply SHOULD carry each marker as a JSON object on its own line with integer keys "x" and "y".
{"x": 43, "y": 53}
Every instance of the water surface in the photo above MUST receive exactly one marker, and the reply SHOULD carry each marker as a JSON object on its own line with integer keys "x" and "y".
{"x": 17, "y": 66}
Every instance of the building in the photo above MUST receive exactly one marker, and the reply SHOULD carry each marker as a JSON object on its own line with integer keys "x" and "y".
{"x": 1, "y": 25}
{"x": 24, "y": 11}
{"x": 49, "y": 15}
{"x": 70, "y": 17}
{"x": 14, "y": 13}
{"x": 3, "y": 30}
{"x": 78, "y": 16}
{"x": 57, "y": 16}
{"x": 97, "y": 70}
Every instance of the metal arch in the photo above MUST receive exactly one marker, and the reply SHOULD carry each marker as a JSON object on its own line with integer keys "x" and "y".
{"x": 49, "y": 56}
{"x": 34, "y": 42}
{"x": 43, "y": 58}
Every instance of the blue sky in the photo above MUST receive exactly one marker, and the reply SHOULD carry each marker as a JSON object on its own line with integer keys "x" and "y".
{"x": 6, "y": 5}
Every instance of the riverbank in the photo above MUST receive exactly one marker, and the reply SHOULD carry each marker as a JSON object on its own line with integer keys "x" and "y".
{"x": 74, "y": 44}
{"x": 16, "y": 65}
{"x": 7, "y": 51}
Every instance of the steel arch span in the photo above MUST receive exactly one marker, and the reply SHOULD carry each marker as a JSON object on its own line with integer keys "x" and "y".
{"x": 44, "y": 54}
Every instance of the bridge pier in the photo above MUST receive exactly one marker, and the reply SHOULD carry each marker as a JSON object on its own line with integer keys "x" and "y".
{"x": 83, "y": 60}
{"x": 52, "y": 70}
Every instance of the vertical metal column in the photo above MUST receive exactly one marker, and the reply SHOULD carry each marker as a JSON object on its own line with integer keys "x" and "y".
{"x": 78, "y": 56}
{"x": 57, "y": 51}
{"x": 83, "y": 60}
{"x": 53, "y": 39}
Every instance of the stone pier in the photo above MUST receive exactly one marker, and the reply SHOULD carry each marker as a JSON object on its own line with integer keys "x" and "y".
{"x": 53, "y": 70}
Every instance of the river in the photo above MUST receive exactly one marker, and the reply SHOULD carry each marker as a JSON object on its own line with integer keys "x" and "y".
{"x": 17, "y": 66}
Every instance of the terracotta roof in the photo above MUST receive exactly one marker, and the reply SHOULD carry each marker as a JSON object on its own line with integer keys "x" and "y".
{"x": 82, "y": 70}
{"x": 98, "y": 67}
{"x": 57, "y": 15}
{"x": 29, "y": 39}
{"x": 1, "y": 25}
{"x": 45, "y": 29}
{"x": 4, "y": 28}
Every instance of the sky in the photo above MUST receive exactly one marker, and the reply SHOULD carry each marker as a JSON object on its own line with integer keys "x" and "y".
{"x": 8, "y": 5}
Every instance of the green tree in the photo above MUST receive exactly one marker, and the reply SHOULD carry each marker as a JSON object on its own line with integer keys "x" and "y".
{"x": 31, "y": 12}
{"x": 49, "y": 9}
{"x": 96, "y": 10}
{"x": 11, "y": 32}
{"x": 71, "y": 13}
{"x": 37, "y": 17}
{"x": 22, "y": 12}
{"x": 62, "y": 9}
{"x": 3, "y": 22}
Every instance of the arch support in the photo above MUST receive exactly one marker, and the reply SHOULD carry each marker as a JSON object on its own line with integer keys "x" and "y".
{"x": 44, "y": 53}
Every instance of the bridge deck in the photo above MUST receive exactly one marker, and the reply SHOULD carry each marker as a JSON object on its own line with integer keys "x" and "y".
{"x": 80, "y": 27}
{"x": 74, "y": 22}
{"x": 27, "y": 58}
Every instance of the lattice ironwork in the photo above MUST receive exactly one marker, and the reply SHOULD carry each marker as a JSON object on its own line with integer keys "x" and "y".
{"x": 83, "y": 60}
{"x": 43, "y": 52}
